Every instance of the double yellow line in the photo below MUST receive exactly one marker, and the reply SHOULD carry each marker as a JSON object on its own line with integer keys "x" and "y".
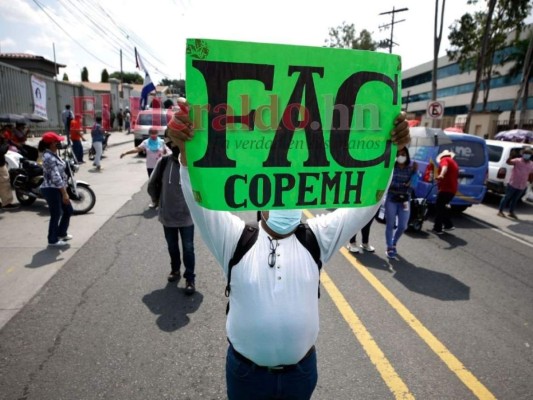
{"x": 384, "y": 367}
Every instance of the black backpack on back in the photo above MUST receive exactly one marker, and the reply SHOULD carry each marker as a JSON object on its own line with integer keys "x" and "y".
{"x": 303, "y": 233}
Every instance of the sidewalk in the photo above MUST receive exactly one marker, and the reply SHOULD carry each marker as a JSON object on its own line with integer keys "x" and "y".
{"x": 486, "y": 213}
{"x": 27, "y": 263}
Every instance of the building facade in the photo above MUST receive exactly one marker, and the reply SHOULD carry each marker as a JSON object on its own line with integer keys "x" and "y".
{"x": 454, "y": 89}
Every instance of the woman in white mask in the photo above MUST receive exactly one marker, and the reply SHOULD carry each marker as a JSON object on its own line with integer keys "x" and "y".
{"x": 397, "y": 203}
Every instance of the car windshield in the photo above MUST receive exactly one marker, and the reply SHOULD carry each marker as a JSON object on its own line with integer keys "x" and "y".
{"x": 467, "y": 153}
{"x": 152, "y": 119}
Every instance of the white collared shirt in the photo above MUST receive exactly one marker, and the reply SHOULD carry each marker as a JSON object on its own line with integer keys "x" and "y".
{"x": 273, "y": 318}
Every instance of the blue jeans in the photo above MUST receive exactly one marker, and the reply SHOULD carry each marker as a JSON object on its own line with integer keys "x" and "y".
{"x": 77, "y": 148}
{"x": 247, "y": 382}
{"x": 393, "y": 210}
{"x": 187, "y": 244}
{"x": 512, "y": 195}
{"x": 59, "y": 214}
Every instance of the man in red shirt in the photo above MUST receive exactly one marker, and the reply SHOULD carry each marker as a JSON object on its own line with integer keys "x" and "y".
{"x": 447, "y": 181}
{"x": 76, "y": 136}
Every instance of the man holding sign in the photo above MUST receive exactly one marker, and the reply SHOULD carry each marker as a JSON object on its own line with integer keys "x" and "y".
{"x": 272, "y": 323}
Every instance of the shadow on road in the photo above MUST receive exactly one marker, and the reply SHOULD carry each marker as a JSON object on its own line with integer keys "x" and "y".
{"x": 429, "y": 283}
{"x": 149, "y": 213}
{"x": 522, "y": 228}
{"x": 452, "y": 240}
{"x": 172, "y": 305}
{"x": 48, "y": 255}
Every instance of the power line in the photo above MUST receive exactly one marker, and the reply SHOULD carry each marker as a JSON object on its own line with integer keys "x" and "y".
{"x": 60, "y": 27}
{"x": 390, "y": 41}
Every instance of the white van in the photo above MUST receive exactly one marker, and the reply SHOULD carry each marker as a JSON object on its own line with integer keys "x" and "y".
{"x": 499, "y": 170}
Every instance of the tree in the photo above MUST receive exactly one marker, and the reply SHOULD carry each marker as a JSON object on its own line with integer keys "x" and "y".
{"x": 128, "y": 77}
{"x": 176, "y": 86}
{"x": 65, "y": 77}
{"x": 522, "y": 56}
{"x": 344, "y": 37}
{"x": 476, "y": 39}
{"x": 105, "y": 76}
{"x": 84, "y": 75}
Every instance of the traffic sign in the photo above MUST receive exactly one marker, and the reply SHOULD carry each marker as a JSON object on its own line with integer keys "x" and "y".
{"x": 435, "y": 109}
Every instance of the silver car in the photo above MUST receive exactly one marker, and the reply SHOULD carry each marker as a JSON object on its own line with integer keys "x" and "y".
{"x": 156, "y": 118}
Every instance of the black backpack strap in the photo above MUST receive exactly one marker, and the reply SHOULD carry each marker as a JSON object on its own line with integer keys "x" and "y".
{"x": 307, "y": 238}
{"x": 245, "y": 243}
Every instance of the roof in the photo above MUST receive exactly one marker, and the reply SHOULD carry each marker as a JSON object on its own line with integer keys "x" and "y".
{"x": 106, "y": 86}
{"x": 25, "y": 56}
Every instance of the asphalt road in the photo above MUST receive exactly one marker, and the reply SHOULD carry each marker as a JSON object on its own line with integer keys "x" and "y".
{"x": 451, "y": 319}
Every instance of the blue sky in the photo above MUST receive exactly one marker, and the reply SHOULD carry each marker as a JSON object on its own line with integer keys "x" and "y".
{"x": 90, "y": 33}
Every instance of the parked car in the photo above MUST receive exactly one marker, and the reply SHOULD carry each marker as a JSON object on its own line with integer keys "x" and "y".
{"x": 470, "y": 154}
{"x": 157, "y": 118}
{"x": 499, "y": 170}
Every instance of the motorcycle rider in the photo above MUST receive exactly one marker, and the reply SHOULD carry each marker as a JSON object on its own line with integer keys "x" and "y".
{"x": 54, "y": 190}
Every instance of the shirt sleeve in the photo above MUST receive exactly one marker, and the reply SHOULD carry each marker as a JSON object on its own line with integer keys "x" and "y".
{"x": 220, "y": 230}
{"x": 335, "y": 229}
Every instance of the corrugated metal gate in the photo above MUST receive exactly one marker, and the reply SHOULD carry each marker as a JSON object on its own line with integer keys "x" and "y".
{"x": 16, "y": 96}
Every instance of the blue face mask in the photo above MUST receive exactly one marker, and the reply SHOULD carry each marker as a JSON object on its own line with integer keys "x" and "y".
{"x": 526, "y": 157}
{"x": 284, "y": 221}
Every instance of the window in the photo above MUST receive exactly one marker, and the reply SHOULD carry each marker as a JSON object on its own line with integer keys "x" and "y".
{"x": 467, "y": 153}
{"x": 495, "y": 153}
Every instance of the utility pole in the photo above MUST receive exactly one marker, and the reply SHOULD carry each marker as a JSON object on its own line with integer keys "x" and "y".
{"x": 121, "y": 94}
{"x": 390, "y": 41}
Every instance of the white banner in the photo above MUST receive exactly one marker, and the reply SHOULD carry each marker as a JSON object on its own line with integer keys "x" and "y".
{"x": 38, "y": 88}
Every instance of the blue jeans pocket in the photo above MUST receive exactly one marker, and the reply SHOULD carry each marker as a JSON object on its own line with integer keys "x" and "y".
{"x": 236, "y": 367}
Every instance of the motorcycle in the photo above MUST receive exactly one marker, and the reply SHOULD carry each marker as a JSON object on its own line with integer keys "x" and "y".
{"x": 26, "y": 180}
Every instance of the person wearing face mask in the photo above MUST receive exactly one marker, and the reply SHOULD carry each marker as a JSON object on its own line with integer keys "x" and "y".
{"x": 155, "y": 148}
{"x": 522, "y": 172}
{"x": 398, "y": 201}
{"x": 274, "y": 286}
{"x": 165, "y": 190}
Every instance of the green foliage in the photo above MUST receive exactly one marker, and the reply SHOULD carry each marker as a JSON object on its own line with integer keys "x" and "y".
{"x": 466, "y": 35}
{"x": 85, "y": 75}
{"x": 128, "y": 77}
{"x": 176, "y": 86}
{"x": 518, "y": 57}
{"x": 344, "y": 37}
{"x": 65, "y": 77}
{"x": 104, "y": 76}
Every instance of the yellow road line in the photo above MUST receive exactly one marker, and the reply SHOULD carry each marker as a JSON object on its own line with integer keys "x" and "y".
{"x": 384, "y": 367}
{"x": 453, "y": 363}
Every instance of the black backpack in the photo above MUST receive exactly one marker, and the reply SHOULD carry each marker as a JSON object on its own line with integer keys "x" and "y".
{"x": 303, "y": 233}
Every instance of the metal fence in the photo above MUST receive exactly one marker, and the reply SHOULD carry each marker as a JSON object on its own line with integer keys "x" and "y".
{"x": 16, "y": 96}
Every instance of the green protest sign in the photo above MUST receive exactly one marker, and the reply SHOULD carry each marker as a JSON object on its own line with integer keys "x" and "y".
{"x": 280, "y": 126}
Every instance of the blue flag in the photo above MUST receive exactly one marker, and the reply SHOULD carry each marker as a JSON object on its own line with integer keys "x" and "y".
{"x": 148, "y": 85}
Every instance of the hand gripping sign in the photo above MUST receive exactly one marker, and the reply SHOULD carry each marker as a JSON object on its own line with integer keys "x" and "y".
{"x": 279, "y": 126}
